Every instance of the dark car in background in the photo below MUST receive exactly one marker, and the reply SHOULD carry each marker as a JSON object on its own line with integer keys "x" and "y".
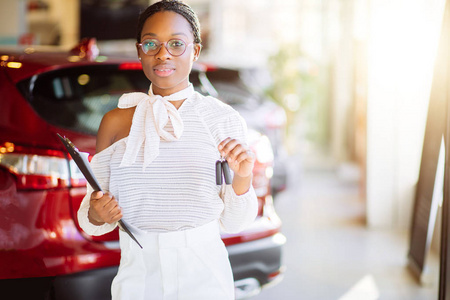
{"x": 44, "y": 254}
{"x": 238, "y": 88}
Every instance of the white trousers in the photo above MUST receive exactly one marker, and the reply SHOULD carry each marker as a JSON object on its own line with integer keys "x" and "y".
{"x": 182, "y": 265}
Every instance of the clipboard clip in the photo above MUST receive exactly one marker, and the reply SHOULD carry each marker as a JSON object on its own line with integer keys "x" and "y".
{"x": 70, "y": 143}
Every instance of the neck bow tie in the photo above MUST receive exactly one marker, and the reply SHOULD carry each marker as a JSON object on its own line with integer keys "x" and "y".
{"x": 150, "y": 117}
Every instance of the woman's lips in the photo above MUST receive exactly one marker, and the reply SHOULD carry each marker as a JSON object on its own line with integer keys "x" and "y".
{"x": 163, "y": 71}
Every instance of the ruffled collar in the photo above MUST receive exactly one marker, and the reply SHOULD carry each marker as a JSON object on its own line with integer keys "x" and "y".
{"x": 152, "y": 114}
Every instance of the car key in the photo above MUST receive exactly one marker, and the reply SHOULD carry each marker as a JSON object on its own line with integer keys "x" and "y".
{"x": 219, "y": 172}
{"x": 222, "y": 167}
{"x": 226, "y": 172}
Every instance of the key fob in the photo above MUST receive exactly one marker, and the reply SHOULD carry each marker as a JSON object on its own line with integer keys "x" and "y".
{"x": 218, "y": 172}
{"x": 226, "y": 172}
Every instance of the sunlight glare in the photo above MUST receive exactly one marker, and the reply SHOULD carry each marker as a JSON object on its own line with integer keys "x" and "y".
{"x": 366, "y": 289}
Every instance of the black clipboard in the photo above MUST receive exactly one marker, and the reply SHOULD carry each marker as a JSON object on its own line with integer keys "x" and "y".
{"x": 85, "y": 168}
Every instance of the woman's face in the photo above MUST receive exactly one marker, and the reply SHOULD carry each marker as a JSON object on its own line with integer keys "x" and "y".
{"x": 168, "y": 74}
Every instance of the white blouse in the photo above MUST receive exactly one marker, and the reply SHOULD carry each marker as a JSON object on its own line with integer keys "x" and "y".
{"x": 177, "y": 190}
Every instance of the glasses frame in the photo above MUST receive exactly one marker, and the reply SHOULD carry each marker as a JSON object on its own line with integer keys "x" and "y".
{"x": 139, "y": 45}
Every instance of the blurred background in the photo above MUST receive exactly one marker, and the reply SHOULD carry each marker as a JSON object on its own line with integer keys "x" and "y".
{"x": 353, "y": 78}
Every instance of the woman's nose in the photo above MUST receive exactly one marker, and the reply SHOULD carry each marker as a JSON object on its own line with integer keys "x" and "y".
{"x": 163, "y": 54}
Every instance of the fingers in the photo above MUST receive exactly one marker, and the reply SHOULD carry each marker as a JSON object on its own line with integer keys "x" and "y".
{"x": 234, "y": 151}
{"x": 101, "y": 198}
{"x": 230, "y": 148}
{"x": 114, "y": 212}
{"x": 223, "y": 146}
{"x": 96, "y": 195}
{"x": 115, "y": 215}
{"x": 246, "y": 155}
{"x": 106, "y": 208}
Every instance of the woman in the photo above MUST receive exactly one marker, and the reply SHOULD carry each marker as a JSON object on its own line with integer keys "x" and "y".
{"x": 155, "y": 160}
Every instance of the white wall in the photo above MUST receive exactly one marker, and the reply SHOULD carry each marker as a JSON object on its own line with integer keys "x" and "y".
{"x": 343, "y": 57}
{"x": 67, "y": 14}
{"x": 12, "y": 20}
{"x": 403, "y": 40}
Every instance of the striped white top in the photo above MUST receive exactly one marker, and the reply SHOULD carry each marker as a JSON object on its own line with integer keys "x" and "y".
{"x": 177, "y": 190}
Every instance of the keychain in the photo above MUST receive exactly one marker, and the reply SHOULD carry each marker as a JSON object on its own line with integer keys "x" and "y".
{"x": 222, "y": 167}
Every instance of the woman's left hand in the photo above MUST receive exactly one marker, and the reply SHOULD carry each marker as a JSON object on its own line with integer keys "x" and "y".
{"x": 239, "y": 156}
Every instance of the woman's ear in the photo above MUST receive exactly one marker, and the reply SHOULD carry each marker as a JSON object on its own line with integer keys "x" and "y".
{"x": 137, "y": 50}
{"x": 197, "y": 50}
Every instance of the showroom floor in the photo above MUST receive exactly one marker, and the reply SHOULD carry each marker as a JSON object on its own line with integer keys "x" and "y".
{"x": 330, "y": 253}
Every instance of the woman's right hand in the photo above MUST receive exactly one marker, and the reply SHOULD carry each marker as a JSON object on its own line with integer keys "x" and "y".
{"x": 104, "y": 208}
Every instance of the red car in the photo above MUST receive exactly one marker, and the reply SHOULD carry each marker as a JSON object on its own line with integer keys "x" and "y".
{"x": 43, "y": 252}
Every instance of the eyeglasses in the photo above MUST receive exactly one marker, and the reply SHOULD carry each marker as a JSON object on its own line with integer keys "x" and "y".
{"x": 176, "y": 47}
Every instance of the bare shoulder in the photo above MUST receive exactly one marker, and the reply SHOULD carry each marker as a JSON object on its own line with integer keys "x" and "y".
{"x": 115, "y": 125}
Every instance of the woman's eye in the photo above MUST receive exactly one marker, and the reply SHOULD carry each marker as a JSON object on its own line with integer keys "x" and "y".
{"x": 150, "y": 45}
{"x": 176, "y": 44}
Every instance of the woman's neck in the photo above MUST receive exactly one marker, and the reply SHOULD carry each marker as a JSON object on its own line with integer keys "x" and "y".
{"x": 177, "y": 103}
{"x": 169, "y": 91}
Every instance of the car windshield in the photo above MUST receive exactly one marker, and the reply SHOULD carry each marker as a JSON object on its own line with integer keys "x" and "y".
{"x": 77, "y": 98}
{"x": 231, "y": 89}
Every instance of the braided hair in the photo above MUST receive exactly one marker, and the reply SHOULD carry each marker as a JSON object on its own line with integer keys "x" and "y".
{"x": 175, "y": 6}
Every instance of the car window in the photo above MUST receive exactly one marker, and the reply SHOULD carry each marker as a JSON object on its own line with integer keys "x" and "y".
{"x": 231, "y": 89}
{"x": 195, "y": 79}
{"x": 77, "y": 98}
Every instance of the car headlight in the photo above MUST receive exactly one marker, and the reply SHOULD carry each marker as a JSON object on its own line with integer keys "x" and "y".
{"x": 261, "y": 146}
